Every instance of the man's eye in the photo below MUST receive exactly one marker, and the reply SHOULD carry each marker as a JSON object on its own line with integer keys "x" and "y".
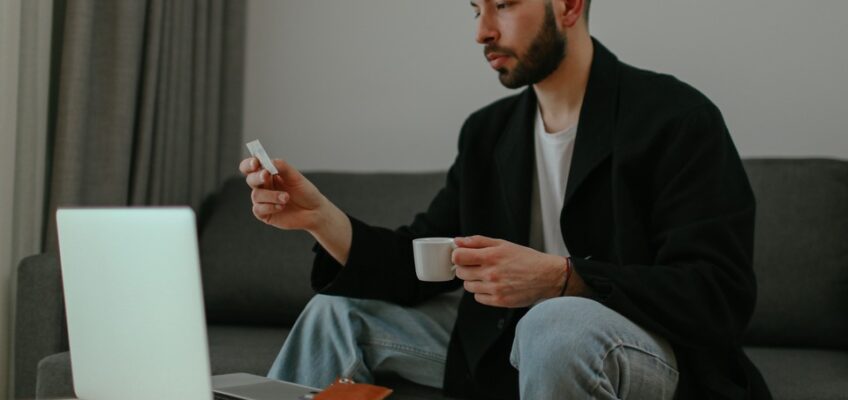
{"x": 498, "y": 6}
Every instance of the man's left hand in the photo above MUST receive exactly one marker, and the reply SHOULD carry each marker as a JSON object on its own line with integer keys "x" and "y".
{"x": 504, "y": 274}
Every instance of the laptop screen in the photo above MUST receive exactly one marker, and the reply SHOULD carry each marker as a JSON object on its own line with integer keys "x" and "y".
{"x": 134, "y": 303}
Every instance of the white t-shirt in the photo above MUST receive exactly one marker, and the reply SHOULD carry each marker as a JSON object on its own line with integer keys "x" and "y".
{"x": 553, "y": 162}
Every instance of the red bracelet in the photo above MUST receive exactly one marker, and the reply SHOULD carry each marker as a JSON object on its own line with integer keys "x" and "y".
{"x": 568, "y": 267}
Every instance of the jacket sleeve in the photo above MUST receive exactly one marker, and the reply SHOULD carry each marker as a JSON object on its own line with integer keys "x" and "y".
{"x": 700, "y": 289}
{"x": 380, "y": 264}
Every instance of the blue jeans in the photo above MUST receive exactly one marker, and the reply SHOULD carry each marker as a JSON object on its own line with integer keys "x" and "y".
{"x": 566, "y": 347}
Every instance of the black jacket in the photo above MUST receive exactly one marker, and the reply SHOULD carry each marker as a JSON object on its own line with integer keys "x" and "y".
{"x": 656, "y": 195}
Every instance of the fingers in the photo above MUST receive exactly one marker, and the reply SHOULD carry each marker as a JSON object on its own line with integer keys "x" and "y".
{"x": 254, "y": 176}
{"x": 477, "y": 287}
{"x": 271, "y": 193}
{"x": 266, "y": 203}
{"x": 476, "y": 242}
{"x": 467, "y": 256}
{"x": 483, "y": 293}
{"x": 251, "y": 164}
{"x": 248, "y": 165}
{"x": 472, "y": 273}
{"x": 263, "y": 179}
{"x": 257, "y": 177}
{"x": 265, "y": 211}
{"x": 288, "y": 173}
{"x": 264, "y": 196}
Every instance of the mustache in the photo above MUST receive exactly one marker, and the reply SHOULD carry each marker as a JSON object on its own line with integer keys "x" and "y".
{"x": 493, "y": 48}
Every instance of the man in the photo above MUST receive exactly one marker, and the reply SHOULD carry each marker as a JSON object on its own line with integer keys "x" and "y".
{"x": 604, "y": 227}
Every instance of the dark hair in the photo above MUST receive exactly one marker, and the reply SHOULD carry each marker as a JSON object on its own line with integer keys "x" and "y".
{"x": 586, "y": 9}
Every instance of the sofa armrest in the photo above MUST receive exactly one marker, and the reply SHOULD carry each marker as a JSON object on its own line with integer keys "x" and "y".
{"x": 40, "y": 328}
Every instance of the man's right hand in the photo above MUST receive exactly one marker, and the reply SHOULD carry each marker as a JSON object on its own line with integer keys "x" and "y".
{"x": 290, "y": 201}
{"x": 287, "y": 200}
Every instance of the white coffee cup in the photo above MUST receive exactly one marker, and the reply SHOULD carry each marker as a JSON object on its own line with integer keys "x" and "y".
{"x": 433, "y": 259}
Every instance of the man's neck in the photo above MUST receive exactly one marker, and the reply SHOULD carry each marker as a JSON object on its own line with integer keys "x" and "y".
{"x": 561, "y": 94}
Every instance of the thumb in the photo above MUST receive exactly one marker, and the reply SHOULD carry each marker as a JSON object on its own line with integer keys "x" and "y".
{"x": 476, "y": 242}
{"x": 289, "y": 174}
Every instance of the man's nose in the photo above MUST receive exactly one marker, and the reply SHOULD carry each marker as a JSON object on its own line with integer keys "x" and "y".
{"x": 486, "y": 29}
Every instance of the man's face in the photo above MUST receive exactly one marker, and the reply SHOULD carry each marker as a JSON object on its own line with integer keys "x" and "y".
{"x": 521, "y": 38}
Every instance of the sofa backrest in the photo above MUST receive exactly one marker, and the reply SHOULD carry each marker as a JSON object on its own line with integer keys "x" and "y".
{"x": 256, "y": 274}
{"x": 800, "y": 252}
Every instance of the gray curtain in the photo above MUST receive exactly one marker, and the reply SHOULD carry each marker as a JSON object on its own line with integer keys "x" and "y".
{"x": 148, "y": 106}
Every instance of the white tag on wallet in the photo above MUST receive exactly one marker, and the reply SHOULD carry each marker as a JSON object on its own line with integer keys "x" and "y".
{"x": 255, "y": 148}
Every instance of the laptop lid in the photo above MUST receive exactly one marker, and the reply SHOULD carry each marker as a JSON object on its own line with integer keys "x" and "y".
{"x": 134, "y": 303}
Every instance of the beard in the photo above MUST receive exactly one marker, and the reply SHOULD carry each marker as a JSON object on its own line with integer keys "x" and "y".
{"x": 546, "y": 52}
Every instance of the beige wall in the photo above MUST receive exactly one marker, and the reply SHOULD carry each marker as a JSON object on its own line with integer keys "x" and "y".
{"x": 778, "y": 69}
{"x": 365, "y": 84}
{"x": 386, "y": 84}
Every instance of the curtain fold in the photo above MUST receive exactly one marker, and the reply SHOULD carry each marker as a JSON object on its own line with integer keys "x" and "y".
{"x": 149, "y": 105}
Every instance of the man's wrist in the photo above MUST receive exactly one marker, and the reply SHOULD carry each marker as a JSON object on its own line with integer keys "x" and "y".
{"x": 566, "y": 275}
{"x": 324, "y": 219}
{"x": 577, "y": 286}
{"x": 333, "y": 230}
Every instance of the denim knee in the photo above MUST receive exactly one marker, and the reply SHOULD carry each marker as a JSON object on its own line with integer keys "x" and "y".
{"x": 322, "y": 303}
{"x": 562, "y": 330}
{"x": 579, "y": 348}
{"x": 334, "y": 312}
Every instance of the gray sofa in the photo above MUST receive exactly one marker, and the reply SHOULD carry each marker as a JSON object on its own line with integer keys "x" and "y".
{"x": 256, "y": 280}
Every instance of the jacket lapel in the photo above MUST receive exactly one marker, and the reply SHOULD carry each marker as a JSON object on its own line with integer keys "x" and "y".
{"x": 597, "y": 119}
{"x": 514, "y": 158}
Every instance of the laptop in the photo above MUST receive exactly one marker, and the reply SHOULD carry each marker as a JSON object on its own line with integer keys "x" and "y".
{"x": 134, "y": 304}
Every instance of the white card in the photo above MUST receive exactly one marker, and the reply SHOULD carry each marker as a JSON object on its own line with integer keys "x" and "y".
{"x": 255, "y": 148}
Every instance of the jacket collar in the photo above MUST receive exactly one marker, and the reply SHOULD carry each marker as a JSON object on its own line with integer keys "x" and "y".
{"x": 515, "y": 153}
{"x": 597, "y": 118}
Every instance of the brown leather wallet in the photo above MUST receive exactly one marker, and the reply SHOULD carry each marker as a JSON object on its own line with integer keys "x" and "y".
{"x": 345, "y": 389}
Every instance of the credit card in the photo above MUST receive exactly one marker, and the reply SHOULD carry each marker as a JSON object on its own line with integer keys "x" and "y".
{"x": 255, "y": 148}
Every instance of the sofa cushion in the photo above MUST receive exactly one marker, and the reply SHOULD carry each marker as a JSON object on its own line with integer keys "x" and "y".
{"x": 800, "y": 252}
{"x": 252, "y": 272}
{"x": 231, "y": 349}
{"x": 257, "y": 274}
{"x": 39, "y": 319}
{"x": 803, "y": 374}
{"x": 54, "y": 379}
{"x": 250, "y": 349}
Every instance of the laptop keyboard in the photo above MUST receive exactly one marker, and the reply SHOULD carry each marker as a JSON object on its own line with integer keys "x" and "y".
{"x": 221, "y": 396}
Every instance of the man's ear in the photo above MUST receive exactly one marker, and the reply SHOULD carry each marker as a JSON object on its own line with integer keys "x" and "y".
{"x": 568, "y": 12}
